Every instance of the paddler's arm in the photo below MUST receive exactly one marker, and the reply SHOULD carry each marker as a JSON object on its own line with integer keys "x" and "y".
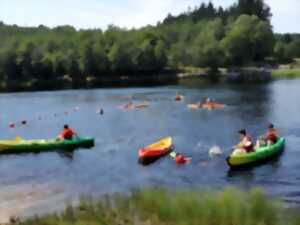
{"x": 75, "y": 135}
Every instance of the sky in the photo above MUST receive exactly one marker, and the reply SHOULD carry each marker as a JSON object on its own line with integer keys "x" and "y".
{"x": 125, "y": 13}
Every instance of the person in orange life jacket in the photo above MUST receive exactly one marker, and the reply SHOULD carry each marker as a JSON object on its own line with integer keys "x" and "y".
{"x": 67, "y": 133}
{"x": 245, "y": 144}
{"x": 272, "y": 135}
{"x": 180, "y": 159}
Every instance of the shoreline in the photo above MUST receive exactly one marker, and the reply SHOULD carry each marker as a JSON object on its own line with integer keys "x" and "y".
{"x": 161, "y": 206}
{"x": 167, "y": 77}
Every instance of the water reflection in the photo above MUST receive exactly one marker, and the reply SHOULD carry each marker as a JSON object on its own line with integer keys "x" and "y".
{"x": 66, "y": 154}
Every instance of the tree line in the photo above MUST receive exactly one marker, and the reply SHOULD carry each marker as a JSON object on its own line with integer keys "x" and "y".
{"x": 203, "y": 37}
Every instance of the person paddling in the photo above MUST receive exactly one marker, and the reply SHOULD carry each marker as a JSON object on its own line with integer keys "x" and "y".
{"x": 270, "y": 138}
{"x": 67, "y": 133}
{"x": 272, "y": 135}
{"x": 245, "y": 145}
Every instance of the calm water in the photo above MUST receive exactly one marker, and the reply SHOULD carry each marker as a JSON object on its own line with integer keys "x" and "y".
{"x": 37, "y": 183}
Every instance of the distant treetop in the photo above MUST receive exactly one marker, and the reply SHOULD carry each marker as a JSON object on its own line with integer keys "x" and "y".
{"x": 208, "y": 11}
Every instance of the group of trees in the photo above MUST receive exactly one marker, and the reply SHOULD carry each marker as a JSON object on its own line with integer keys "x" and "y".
{"x": 44, "y": 53}
{"x": 213, "y": 44}
{"x": 205, "y": 37}
{"x": 208, "y": 11}
{"x": 287, "y": 47}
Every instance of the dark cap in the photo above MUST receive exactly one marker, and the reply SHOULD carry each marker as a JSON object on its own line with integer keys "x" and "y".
{"x": 271, "y": 126}
{"x": 66, "y": 126}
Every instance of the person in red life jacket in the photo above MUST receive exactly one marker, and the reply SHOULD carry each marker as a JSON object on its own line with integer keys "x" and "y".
{"x": 272, "y": 135}
{"x": 245, "y": 145}
{"x": 67, "y": 133}
{"x": 180, "y": 159}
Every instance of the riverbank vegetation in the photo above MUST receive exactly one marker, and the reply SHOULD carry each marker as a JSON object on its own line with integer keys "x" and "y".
{"x": 286, "y": 73}
{"x": 158, "y": 206}
{"x": 205, "y": 36}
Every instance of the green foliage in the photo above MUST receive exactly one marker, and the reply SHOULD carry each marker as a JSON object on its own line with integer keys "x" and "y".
{"x": 158, "y": 206}
{"x": 208, "y": 11}
{"x": 203, "y": 37}
{"x": 206, "y": 50}
{"x": 248, "y": 40}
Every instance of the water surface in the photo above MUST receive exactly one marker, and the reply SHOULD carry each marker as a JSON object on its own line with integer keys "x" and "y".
{"x": 37, "y": 183}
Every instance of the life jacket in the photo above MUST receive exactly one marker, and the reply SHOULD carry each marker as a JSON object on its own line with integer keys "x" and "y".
{"x": 180, "y": 159}
{"x": 67, "y": 134}
{"x": 272, "y": 136}
{"x": 248, "y": 146}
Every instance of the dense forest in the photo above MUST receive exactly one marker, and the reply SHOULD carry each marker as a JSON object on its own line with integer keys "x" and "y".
{"x": 206, "y": 36}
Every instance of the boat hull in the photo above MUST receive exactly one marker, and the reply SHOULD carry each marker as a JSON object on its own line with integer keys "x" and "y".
{"x": 35, "y": 146}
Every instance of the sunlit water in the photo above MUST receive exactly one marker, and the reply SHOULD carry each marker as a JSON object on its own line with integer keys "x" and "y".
{"x": 38, "y": 183}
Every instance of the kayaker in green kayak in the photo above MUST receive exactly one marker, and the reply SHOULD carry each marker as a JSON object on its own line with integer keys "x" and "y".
{"x": 67, "y": 133}
{"x": 245, "y": 145}
{"x": 271, "y": 137}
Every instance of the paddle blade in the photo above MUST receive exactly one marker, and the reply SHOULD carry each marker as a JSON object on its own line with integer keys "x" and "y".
{"x": 173, "y": 154}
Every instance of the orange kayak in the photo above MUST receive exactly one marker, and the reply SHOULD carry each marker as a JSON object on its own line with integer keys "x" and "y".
{"x": 130, "y": 106}
{"x": 140, "y": 106}
{"x": 212, "y": 105}
{"x": 156, "y": 150}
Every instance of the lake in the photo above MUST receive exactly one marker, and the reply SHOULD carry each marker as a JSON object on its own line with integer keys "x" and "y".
{"x": 39, "y": 183}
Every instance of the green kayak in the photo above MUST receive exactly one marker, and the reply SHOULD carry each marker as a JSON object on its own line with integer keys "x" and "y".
{"x": 261, "y": 154}
{"x": 23, "y": 146}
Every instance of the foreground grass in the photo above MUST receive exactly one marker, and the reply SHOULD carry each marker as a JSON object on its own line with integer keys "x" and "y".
{"x": 160, "y": 207}
{"x": 286, "y": 73}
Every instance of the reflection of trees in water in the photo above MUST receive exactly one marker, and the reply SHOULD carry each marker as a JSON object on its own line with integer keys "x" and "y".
{"x": 195, "y": 82}
{"x": 252, "y": 102}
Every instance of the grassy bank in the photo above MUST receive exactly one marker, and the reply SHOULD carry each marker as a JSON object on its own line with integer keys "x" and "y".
{"x": 286, "y": 73}
{"x": 160, "y": 207}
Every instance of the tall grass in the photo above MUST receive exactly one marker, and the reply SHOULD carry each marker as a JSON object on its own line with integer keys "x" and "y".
{"x": 286, "y": 73}
{"x": 161, "y": 207}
